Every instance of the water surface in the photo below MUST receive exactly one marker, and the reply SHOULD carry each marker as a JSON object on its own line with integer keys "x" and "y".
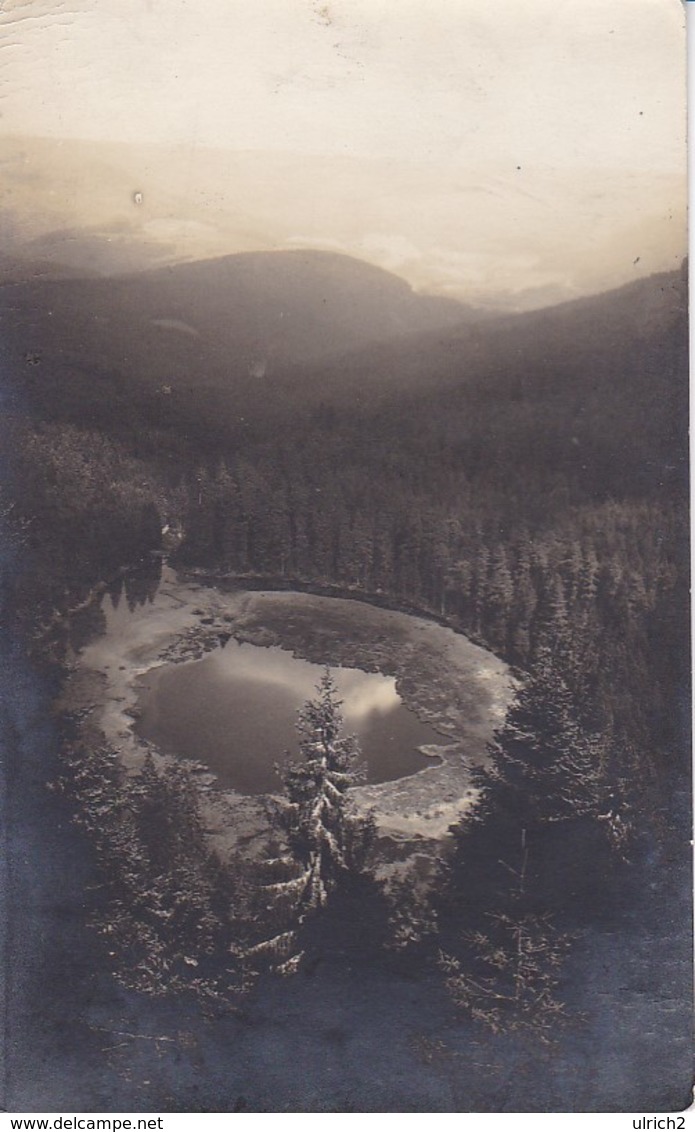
{"x": 236, "y": 710}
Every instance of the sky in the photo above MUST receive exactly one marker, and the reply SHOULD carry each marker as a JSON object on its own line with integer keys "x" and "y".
{"x": 531, "y": 97}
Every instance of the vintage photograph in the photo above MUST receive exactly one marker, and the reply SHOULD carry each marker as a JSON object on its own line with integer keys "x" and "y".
{"x": 344, "y": 548}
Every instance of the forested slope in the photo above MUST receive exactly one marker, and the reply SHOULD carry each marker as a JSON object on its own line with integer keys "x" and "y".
{"x": 523, "y": 480}
{"x": 526, "y": 480}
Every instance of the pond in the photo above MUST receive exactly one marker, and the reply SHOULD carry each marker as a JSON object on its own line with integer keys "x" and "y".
{"x": 235, "y": 710}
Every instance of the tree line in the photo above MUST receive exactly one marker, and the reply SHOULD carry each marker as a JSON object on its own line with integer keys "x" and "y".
{"x": 539, "y": 558}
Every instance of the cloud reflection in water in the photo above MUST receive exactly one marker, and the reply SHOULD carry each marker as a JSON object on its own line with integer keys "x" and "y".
{"x": 363, "y": 693}
{"x": 236, "y": 710}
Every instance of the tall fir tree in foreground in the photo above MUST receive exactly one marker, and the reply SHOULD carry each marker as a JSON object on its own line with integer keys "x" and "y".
{"x": 546, "y": 824}
{"x": 323, "y": 836}
{"x": 322, "y": 841}
{"x": 543, "y": 766}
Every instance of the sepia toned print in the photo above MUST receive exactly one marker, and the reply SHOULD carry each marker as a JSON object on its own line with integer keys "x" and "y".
{"x": 345, "y": 594}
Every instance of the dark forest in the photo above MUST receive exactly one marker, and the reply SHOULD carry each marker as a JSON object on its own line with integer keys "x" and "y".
{"x": 521, "y": 479}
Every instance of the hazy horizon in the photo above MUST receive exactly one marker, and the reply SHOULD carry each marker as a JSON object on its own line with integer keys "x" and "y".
{"x": 510, "y": 158}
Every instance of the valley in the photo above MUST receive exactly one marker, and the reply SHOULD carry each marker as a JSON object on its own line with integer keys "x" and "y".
{"x": 345, "y": 571}
{"x": 221, "y": 485}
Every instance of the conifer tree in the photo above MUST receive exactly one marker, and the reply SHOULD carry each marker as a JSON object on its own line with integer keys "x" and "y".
{"x": 505, "y": 967}
{"x": 325, "y": 843}
{"x": 543, "y": 765}
{"x": 322, "y": 835}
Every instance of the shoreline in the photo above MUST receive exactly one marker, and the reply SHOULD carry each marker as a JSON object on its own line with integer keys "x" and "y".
{"x": 457, "y": 687}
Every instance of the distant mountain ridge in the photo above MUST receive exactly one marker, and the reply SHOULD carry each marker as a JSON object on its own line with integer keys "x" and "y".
{"x": 587, "y": 330}
{"x": 230, "y": 351}
{"x": 224, "y": 320}
{"x": 489, "y": 236}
